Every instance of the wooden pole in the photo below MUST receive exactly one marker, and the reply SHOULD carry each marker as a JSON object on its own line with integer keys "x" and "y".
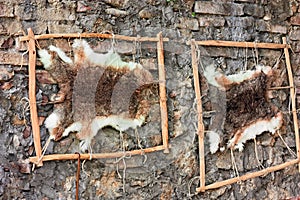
{"x": 279, "y": 88}
{"x": 293, "y": 98}
{"x": 92, "y": 35}
{"x": 250, "y": 175}
{"x": 96, "y": 155}
{"x": 200, "y": 130}
{"x": 162, "y": 92}
{"x": 32, "y": 97}
{"x": 221, "y": 43}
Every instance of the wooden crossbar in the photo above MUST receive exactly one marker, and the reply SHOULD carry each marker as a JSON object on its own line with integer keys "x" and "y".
{"x": 91, "y": 35}
{"x": 220, "y": 43}
{"x": 97, "y": 155}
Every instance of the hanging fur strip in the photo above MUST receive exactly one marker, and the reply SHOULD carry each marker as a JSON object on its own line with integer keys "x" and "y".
{"x": 248, "y": 111}
{"x": 96, "y": 91}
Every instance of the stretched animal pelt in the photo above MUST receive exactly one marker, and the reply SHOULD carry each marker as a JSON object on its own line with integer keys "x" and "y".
{"x": 244, "y": 109}
{"x": 96, "y": 90}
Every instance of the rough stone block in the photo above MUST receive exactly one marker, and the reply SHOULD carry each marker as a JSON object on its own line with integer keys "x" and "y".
{"x": 6, "y": 10}
{"x": 26, "y": 12}
{"x": 278, "y": 29}
{"x": 82, "y": 7}
{"x": 264, "y": 26}
{"x": 149, "y": 63}
{"x": 254, "y": 10}
{"x": 295, "y": 34}
{"x": 117, "y": 3}
{"x": 295, "y": 20}
{"x": 13, "y": 26}
{"x": 206, "y": 7}
{"x": 296, "y": 48}
{"x": 121, "y": 47}
{"x": 38, "y": 27}
{"x": 240, "y": 21}
{"x": 2, "y": 29}
{"x": 211, "y": 21}
{"x": 147, "y": 13}
{"x": 55, "y": 27}
{"x": 116, "y": 12}
{"x": 219, "y": 52}
{"x": 188, "y": 23}
{"x": 176, "y": 48}
{"x": 56, "y": 14}
{"x": 11, "y": 58}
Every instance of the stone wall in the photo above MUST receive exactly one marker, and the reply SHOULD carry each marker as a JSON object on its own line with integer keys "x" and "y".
{"x": 161, "y": 176}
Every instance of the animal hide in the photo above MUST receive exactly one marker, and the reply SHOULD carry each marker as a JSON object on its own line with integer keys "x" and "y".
{"x": 243, "y": 107}
{"x": 96, "y": 91}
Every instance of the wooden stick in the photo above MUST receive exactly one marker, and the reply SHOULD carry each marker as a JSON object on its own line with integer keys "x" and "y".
{"x": 97, "y": 155}
{"x": 250, "y": 175}
{"x": 162, "y": 92}
{"x": 221, "y": 43}
{"x": 93, "y": 35}
{"x": 78, "y": 176}
{"x": 200, "y": 118}
{"x": 279, "y": 88}
{"x": 32, "y": 97}
{"x": 292, "y": 94}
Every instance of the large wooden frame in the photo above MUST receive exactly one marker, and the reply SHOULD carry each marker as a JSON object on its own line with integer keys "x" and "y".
{"x": 38, "y": 159}
{"x": 200, "y": 130}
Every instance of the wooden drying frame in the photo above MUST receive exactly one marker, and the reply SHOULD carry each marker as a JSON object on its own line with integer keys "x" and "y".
{"x": 38, "y": 159}
{"x": 200, "y": 128}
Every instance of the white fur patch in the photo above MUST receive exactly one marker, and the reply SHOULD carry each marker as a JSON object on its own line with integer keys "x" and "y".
{"x": 257, "y": 128}
{"x": 61, "y": 54}
{"x": 53, "y": 120}
{"x": 117, "y": 122}
{"x": 85, "y": 144}
{"x": 241, "y": 76}
{"x": 45, "y": 58}
{"x": 212, "y": 75}
{"x": 75, "y": 127}
{"x": 214, "y": 141}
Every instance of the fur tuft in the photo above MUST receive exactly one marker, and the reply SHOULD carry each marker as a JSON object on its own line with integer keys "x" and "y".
{"x": 61, "y": 54}
{"x": 53, "y": 120}
{"x": 75, "y": 127}
{"x": 219, "y": 80}
{"x": 45, "y": 58}
{"x": 256, "y": 128}
{"x": 214, "y": 141}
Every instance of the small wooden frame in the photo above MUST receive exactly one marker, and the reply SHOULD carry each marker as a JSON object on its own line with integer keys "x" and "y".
{"x": 200, "y": 130}
{"x": 38, "y": 159}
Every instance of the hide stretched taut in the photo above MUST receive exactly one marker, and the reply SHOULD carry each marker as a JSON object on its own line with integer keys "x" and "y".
{"x": 96, "y": 91}
{"x": 248, "y": 110}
